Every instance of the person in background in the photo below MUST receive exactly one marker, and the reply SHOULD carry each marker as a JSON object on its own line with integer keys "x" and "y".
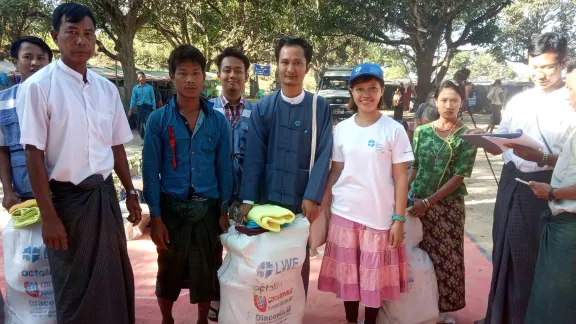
{"x": 143, "y": 101}
{"x": 283, "y": 165}
{"x": 233, "y": 68}
{"x": 73, "y": 127}
{"x": 186, "y": 168}
{"x": 29, "y": 54}
{"x": 366, "y": 228}
{"x": 398, "y": 103}
{"x": 496, "y": 97}
{"x": 545, "y": 114}
{"x": 442, "y": 161}
{"x": 407, "y": 97}
{"x": 552, "y": 296}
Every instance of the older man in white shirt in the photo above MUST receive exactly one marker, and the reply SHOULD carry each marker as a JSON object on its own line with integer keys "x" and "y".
{"x": 545, "y": 114}
{"x": 73, "y": 128}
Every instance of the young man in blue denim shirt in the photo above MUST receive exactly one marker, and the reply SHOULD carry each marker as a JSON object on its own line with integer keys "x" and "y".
{"x": 29, "y": 54}
{"x": 187, "y": 172}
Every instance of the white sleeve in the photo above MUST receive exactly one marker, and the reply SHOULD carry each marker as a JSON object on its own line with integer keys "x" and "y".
{"x": 401, "y": 148}
{"x": 337, "y": 153}
{"x": 32, "y": 109}
{"x": 120, "y": 127}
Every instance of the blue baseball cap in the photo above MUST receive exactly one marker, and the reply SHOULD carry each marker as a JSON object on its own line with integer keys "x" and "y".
{"x": 364, "y": 69}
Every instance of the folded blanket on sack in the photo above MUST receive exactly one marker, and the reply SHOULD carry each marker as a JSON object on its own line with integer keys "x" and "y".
{"x": 26, "y": 213}
{"x": 271, "y": 217}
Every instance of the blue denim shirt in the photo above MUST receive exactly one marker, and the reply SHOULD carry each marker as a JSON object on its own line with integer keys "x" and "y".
{"x": 10, "y": 129}
{"x": 202, "y": 159}
{"x": 239, "y": 134}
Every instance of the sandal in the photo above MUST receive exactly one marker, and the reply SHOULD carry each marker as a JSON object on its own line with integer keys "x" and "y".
{"x": 213, "y": 314}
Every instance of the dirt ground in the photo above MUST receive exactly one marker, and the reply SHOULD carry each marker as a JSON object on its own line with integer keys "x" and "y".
{"x": 479, "y": 204}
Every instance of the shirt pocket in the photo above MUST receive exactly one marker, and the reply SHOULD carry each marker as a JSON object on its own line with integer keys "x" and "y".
{"x": 11, "y": 129}
{"x": 208, "y": 142}
{"x": 105, "y": 126}
{"x": 20, "y": 177}
{"x": 243, "y": 135}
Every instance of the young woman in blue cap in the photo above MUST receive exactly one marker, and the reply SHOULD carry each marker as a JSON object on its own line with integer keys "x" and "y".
{"x": 365, "y": 258}
{"x": 442, "y": 161}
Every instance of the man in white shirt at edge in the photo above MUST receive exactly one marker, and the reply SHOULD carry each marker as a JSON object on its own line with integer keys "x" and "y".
{"x": 545, "y": 114}
{"x": 73, "y": 129}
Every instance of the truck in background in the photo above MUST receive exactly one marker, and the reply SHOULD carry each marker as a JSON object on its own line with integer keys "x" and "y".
{"x": 335, "y": 87}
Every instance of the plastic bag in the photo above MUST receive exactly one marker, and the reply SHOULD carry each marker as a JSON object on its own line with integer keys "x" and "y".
{"x": 260, "y": 279}
{"x": 29, "y": 292}
{"x": 420, "y": 304}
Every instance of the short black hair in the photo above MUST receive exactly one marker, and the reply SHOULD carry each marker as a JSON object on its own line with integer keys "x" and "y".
{"x": 140, "y": 72}
{"x": 290, "y": 41}
{"x": 74, "y": 13}
{"x": 232, "y": 52}
{"x": 184, "y": 53}
{"x": 455, "y": 85}
{"x": 571, "y": 66}
{"x": 549, "y": 43}
{"x": 17, "y": 44}
{"x": 462, "y": 74}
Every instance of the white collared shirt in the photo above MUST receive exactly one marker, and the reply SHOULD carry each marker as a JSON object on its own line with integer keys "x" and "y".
{"x": 564, "y": 175}
{"x": 554, "y": 114}
{"x": 74, "y": 122}
{"x": 293, "y": 101}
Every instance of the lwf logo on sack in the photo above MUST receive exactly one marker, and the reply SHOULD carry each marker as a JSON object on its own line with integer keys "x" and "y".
{"x": 34, "y": 253}
{"x": 267, "y": 268}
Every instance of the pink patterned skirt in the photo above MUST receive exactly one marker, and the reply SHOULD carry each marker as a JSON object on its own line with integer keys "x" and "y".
{"x": 359, "y": 265}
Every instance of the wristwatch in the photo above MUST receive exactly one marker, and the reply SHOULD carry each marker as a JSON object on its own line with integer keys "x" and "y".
{"x": 551, "y": 194}
{"x": 544, "y": 160}
{"x": 133, "y": 192}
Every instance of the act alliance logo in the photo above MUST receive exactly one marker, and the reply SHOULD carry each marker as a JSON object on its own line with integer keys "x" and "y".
{"x": 34, "y": 253}
{"x": 32, "y": 288}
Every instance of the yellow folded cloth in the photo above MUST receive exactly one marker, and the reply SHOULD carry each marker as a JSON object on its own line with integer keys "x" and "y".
{"x": 26, "y": 213}
{"x": 270, "y": 217}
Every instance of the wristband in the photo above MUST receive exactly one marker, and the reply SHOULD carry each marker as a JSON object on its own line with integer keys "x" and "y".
{"x": 544, "y": 160}
{"x": 399, "y": 218}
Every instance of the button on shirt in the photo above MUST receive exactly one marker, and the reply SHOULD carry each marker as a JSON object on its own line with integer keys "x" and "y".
{"x": 554, "y": 115}
{"x": 76, "y": 123}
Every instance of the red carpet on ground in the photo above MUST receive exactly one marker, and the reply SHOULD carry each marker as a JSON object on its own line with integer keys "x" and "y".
{"x": 322, "y": 308}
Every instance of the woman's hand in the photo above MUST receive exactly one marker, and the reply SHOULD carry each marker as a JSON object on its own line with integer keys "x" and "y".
{"x": 540, "y": 189}
{"x": 419, "y": 208}
{"x": 397, "y": 234}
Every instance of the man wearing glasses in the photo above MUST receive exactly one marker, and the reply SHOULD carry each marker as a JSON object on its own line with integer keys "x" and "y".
{"x": 545, "y": 114}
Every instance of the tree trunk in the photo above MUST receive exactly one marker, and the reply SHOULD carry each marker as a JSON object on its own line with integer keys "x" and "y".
{"x": 128, "y": 66}
{"x": 424, "y": 68}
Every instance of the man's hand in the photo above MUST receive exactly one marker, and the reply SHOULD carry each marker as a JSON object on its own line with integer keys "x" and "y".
{"x": 540, "y": 189}
{"x": 397, "y": 234}
{"x": 53, "y": 231}
{"x": 526, "y": 153}
{"x": 224, "y": 222}
{"x": 159, "y": 233}
{"x": 10, "y": 199}
{"x": 244, "y": 210}
{"x": 310, "y": 210}
{"x": 133, "y": 206}
{"x": 419, "y": 208}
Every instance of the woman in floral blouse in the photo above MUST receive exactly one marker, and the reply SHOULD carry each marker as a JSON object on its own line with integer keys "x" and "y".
{"x": 442, "y": 161}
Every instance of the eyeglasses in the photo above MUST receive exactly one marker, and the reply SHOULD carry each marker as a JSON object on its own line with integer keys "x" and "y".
{"x": 371, "y": 91}
{"x": 546, "y": 69}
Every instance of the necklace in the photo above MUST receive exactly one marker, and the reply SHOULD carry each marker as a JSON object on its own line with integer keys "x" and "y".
{"x": 436, "y": 158}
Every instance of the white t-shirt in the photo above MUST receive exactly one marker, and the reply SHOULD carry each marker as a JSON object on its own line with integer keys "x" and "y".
{"x": 364, "y": 193}
{"x": 495, "y": 95}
